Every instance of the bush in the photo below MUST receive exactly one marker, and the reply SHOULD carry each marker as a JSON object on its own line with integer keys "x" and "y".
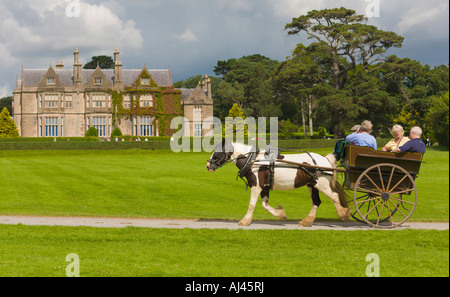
{"x": 287, "y": 129}
{"x": 91, "y": 132}
{"x": 116, "y": 133}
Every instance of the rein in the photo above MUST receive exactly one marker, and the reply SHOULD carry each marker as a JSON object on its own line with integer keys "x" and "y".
{"x": 229, "y": 161}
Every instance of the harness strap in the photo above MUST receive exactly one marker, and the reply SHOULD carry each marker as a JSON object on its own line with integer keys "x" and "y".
{"x": 248, "y": 164}
{"x": 247, "y": 167}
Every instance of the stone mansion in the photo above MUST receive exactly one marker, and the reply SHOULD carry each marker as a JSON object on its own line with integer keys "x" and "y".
{"x": 59, "y": 102}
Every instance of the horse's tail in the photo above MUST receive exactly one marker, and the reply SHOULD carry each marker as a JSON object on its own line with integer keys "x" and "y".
{"x": 335, "y": 185}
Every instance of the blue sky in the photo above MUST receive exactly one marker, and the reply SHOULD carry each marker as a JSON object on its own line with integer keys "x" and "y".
{"x": 192, "y": 35}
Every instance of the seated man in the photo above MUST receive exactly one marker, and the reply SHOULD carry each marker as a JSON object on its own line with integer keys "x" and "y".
{"x": 415, "y": 145}
{"x": 362, "y": 136}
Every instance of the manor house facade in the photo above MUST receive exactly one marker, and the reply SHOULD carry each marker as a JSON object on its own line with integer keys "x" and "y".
{"x": 58, "y": 102}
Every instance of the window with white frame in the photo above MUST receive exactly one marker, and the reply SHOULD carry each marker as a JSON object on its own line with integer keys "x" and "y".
{"x": 51, "y": 127}
{"x": 198, "y": 112}
{"x": 146, "y": 126}
{"x": 51, "y": 100}
{"x": 98, "y": 81}
{"x": 145, "y": 81}
{"x": 198, "y": 130}
{"x": 100, "y": 125}
{"x": 51, "y": 81}
{"x": 98, "y": 100}
{"x": 146, "y": 100}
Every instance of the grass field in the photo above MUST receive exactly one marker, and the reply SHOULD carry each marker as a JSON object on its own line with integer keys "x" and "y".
{"x": 157, "y": 184}
{"x": 42, "y": 251}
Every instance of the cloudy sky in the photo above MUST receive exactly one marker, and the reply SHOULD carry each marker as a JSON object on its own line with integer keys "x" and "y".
{"x": 192, "y": 35}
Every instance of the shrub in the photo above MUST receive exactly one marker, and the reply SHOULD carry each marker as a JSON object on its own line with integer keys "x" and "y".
{"x": 116, "y": 133}
{"x": 8, "y": 127}
{"x": 91, "y": 132}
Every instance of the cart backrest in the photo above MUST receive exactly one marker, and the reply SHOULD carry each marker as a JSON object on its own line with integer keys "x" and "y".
{"x": 364, "y": 157}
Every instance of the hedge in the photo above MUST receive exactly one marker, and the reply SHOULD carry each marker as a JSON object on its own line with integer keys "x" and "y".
{"x": 153, "y": 143}
{"x": 49, "y": 139}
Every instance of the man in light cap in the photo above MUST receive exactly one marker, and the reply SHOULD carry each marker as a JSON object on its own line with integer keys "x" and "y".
{"x": 362, "y": 137}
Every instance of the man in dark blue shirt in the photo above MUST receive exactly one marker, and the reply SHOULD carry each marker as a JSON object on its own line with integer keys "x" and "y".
{"x": 415, "y": 145}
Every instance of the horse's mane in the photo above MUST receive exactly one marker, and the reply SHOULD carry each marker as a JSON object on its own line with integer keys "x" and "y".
{"x": 242, "y": 148}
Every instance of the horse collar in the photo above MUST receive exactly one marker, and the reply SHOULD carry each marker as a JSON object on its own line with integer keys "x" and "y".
{"x": 248, "y": 164}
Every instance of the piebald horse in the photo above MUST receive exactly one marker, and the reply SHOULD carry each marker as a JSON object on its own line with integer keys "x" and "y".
{"x": 284, "y": 179}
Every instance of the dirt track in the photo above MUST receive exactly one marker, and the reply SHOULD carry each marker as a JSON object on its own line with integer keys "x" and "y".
{"x": 201, "y": 224}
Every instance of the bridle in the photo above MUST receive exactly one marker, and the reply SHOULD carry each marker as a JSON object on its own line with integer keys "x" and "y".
{"x": 217, "y": 162}
{"x": 220, "y": 159}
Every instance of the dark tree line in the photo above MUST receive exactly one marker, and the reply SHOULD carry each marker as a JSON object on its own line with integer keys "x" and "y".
{"x": 344, "y": 76}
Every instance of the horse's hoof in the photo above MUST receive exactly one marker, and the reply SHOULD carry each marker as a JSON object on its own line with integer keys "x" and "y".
{"x": 307, "y": 222}
{"x": 244, "y": 223}
{"x": 346, "y": 216}
{"x": 305, "y": 225}
{"x": 281, "y": 212}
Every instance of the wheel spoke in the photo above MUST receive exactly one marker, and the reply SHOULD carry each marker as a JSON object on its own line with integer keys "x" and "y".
{"x": 390, "y": 213}
{"x": 402, "y": 201}
{"x": 367, "y": 214}
{"x": 389, "y": 191}
{"x": 370, "y": 191}
{"x": 361, "y": 197}
{"x": 398, "y": 209}
{"x": 390, "y": 177}
{"x": 402, "y": 192}
{"x": 368, "y": 177}
{"x": 379, "y": 215}
{"x": 371, "y": 199}
{"x": 381, "y": 178}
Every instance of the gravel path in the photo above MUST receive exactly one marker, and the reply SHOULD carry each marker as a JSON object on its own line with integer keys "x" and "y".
{"x": 201, "y": 224}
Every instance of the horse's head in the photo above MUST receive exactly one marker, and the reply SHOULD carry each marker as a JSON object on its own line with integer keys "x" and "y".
{"x": 221, "y": 156}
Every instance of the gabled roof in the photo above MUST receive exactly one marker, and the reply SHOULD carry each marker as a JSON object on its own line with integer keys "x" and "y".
{"x": 198, "y": 97}
{"x": 50, "y": 73}
{"x": 98, "y": 73}
{"x": 32, "y": 77}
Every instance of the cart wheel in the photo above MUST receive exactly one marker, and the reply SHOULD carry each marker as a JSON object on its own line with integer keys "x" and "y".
{"x": 385, "y": 193}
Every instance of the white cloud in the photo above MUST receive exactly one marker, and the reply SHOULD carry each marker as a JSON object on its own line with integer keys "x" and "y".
{"x": 49, "y": 27}
{"x": 99, "y": 27}
{"x": 191, "y": 36}
{"x": 187, "y": 36}
{"x": 423, "y": 16}
{"x": 37, "y": 33}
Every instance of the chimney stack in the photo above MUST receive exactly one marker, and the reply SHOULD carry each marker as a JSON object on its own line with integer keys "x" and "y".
{"x": 208, "y": 86}
{"x": 118, "y": 82}
{"x": 77, "y": 78}
{"x": 59, "y": 65}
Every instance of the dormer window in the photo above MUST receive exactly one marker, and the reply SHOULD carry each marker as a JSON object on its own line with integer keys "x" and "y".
{"x": 51, "y": 81}
{"x": 98, "y": 81}
{"x": 145, "y": 81}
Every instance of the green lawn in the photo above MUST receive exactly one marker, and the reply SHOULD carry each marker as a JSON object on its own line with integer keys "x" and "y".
{"x": 156, "y": 184}
{"x": 42, "y": 251}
